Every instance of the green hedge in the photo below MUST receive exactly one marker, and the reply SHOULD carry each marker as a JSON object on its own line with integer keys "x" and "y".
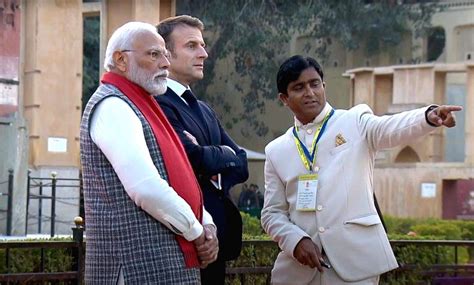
{"x": 441, "y": 229}
{"x": 26, "y": 260}
{"x": 398, "y": 229}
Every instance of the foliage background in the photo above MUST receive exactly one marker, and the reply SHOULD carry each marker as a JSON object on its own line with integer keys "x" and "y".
{"x": 251, "y": 39}
{"x": 91, "y": 61}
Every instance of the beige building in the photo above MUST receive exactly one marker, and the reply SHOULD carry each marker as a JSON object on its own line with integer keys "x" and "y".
{"x": 433, "y": 177}
{"x": 416, "y": 179}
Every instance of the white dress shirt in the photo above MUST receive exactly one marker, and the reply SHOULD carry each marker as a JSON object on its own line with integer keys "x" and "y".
{"x": 177, "y": 88}
{"x": 118, "y": 132}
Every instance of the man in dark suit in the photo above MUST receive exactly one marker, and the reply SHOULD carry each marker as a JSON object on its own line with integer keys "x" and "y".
{"x": 217, "y": 161}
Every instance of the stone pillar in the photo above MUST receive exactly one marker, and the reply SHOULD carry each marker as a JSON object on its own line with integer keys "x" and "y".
{"x": 469, "y": 114}
{"x": 118, "y": 12}
{"x": 52, "y": 75}
{"x": 115, "y": 13}
{"x": 363, "y": 87}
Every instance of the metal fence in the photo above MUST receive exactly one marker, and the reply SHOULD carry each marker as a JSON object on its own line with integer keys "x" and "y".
{"x": 6, "y": 190}
{"x": 453, "y": 272}
{"x": 74, "y": 274}
{"x": 39, "y": 190}
{"x": 42, "y": 189}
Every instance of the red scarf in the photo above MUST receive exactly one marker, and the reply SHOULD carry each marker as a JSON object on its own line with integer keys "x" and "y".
{"x": 180, "y": 173}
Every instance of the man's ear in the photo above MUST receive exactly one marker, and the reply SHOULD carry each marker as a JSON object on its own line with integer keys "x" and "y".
{"x": 324, "y": 84}
{"x": 283, "y": 98}
{"x": 120, "y": 60}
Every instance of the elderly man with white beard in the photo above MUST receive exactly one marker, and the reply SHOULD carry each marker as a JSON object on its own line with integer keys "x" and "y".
{"x": 143, "y": 205}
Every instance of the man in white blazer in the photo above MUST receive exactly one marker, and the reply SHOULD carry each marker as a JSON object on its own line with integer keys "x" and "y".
{"x": 318, "y": 202}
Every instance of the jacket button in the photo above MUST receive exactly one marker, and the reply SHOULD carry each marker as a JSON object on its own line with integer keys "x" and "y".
{"x": 319, "y": 207}
{"x": 321, "y": 229}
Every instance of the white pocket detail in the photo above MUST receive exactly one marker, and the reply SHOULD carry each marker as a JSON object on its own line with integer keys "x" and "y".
{"x": 365, "y": 221}
{"x": 340, "y": 148}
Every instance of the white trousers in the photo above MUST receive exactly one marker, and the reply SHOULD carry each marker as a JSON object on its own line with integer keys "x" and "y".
{"x": 329, "y": 277}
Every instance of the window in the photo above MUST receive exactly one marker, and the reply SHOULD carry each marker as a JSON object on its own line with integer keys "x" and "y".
{"x": 436, "y": 43}
{"x": 407, "y": 155}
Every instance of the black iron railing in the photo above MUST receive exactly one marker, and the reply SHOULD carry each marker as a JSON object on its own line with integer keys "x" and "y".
{"x": 42, "y": 185}
{"x": 52, "y": 184}
{"x": 9, "y": 195}
{"x": 75, "y": 248}
{"x": 243, "y": 270}
{"x": 249, "y": 270}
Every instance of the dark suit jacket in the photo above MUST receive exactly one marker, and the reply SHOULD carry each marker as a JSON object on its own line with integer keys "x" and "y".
{"x": 209, "y": 158}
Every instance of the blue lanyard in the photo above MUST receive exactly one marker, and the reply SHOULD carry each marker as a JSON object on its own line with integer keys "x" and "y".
{"x": 307, "y": 157}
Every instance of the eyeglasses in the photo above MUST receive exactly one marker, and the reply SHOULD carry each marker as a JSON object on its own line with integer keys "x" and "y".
{"x": 154, "y": 54}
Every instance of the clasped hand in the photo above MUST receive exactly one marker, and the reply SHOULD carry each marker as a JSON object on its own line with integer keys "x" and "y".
{"x": 207, "y": 245}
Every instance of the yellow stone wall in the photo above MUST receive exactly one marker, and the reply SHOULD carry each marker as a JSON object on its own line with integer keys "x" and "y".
{"x": 52, "y": 70}
{"x": 404, "y": 87}
{"x": 118, "y": 12}
{"x": 53, "y": 78}
{"x": 398, "y": 188}
{"x": 399, "y": 88}
{"x": 469, "y": 133}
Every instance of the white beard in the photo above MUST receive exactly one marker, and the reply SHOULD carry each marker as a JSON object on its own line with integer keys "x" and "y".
{"x": 155, "y": 84}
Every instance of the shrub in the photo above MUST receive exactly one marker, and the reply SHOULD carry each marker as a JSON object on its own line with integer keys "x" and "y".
{"x": 443, "y": 231}
{"x": 251, "y": 226}
{"x": 419, "y": 257}
{"x": 26, "y": 260}
{"x": 399, "y": 225}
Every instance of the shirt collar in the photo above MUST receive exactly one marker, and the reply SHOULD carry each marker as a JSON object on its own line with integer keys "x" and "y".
{"x": 319, "y": 118}
{"x": 177, "y": 87}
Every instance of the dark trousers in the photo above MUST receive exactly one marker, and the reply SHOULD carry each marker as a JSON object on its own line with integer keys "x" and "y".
{"x": 213, "y": 274}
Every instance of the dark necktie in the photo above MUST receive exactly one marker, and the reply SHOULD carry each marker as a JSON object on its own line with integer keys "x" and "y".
{"x": 193, "y": 104}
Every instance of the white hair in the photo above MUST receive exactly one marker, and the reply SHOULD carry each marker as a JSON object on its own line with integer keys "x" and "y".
{"x": 123, "y": 38}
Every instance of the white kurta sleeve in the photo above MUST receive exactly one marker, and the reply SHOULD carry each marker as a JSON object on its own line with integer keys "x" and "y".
{"x": 118, "y": 132}
{"x": 207, "y": 218}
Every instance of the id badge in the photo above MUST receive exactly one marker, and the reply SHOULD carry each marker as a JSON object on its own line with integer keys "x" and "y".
{"x": 307, "y": 190}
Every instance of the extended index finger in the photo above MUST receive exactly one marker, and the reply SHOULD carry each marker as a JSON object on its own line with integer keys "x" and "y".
{"x": 451, "y": 108}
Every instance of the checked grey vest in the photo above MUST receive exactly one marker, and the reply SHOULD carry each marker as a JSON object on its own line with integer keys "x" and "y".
{"x": 119, "y": 235}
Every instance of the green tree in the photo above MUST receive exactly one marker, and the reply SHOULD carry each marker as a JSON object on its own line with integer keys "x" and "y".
{"x": 90, "y": 63}
{"x": 255, "y": 36}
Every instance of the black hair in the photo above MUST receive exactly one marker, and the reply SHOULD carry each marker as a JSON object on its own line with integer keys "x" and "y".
{"x": 292, "y": 68}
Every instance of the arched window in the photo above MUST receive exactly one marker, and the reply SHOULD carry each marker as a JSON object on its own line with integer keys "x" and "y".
{"x": 407, "y": 155}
